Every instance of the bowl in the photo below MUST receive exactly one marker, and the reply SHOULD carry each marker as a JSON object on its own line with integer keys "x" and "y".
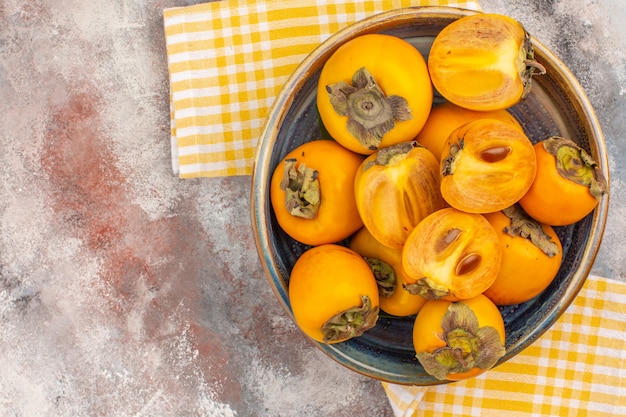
{"x": 557, "y": 105}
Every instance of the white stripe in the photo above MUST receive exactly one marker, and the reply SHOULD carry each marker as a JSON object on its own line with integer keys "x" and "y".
{"x": 200, "y": 149}
{"x": 213, "y": 166}
{"x": 174, "y": 150}
{"x": 582, "y": 348}
{"x": 186, "y": 132}
{"x": 226, "y": 33}
{"x": 215, "y": 109}
{"x": 213, "y": 129}
{"x": 215, "y": 147}
{"x": 213, "y": 72}
{"x": 199, "y": 111}
{"x": 196, "y": 93}
{"x": 185, "y": 37}
{"x": 613, "y": 409}
{"x": 178, "y": 19}
{"x": 619, "y": 298}
{"x": 193, "y": 74}
{"x": 192, "y": 56}
{"x": 610, "y": 352}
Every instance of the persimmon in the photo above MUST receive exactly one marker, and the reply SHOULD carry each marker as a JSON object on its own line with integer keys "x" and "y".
{"x": 568, "y": 184}
{"x": 459, "y": 340}
{"x": 444, "y": 118}
{"x": 374, "y": 91}
{"x": 486, "y": 166}
{"x": 531, "y": 256}
{"x": 312, "y": 193}
{"x": 386, "y": 264}
{"x": 333, "y": 294}
{"x": 395, "y": 188}
{"x": 483, "y": 62}
{"x": 451, "y": 254}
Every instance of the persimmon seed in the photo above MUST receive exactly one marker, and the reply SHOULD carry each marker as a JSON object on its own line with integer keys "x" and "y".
{"x": 447, "y": 239}
{"x": 495, "y": 154}
{"x": 468, "y": 264}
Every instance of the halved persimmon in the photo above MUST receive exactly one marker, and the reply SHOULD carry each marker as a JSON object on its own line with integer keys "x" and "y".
{"x": 395, "y": 188}
{"x": 452, "y": 255}
{"x": 487, "y": 165}
{"x": 444, "y": 118}
{"x": 483, "y": 62}
{"x": 531, "y": 256}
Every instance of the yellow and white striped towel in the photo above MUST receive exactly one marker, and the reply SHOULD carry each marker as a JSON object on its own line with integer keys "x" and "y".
{"x": 229, "y": 59}
{"x": 577, "y": 368}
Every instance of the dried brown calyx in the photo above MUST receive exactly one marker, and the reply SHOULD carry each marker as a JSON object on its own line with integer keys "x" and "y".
{"x": 468, "y": 345}
{"x": 370, "y": 113}
{"x": 352, "y": 322}
{"x": 384, "y": 274}
{"x": 302, "y": 189}
{"x": 524, "y": 226}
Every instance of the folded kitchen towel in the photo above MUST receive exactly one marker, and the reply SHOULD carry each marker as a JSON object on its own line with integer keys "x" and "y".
{"x": 228, "y": 60}
{"x": 577, "y": 368}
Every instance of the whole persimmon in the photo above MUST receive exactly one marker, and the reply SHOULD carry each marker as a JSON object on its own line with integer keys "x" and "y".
{"x": 459, "y": 340}
{"x": 312, "y": 193}
{"x": 531, "y": 256}
{"x": 374, "y": 91}
{"x": 333, "y": 294}
{"x": 568, "y": 184}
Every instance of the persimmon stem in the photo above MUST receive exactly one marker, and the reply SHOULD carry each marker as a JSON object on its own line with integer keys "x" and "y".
{"x": 529, "y": 66}
{"x": 531, "y": 63}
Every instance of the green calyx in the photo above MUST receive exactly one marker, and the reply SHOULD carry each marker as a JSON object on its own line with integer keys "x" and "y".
{"x": 385, "y": 276}
{"x": 524, "y": 226}
{"x": 352, "y": 322}
{"x": 575, "y": 164}
{"x": 302, "y": 190}
{"x": 370, "y": 113}
{"x": 468, "y": 345}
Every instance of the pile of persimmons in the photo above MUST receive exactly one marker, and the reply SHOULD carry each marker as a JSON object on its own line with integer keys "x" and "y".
{"x": 448, "y": 210}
